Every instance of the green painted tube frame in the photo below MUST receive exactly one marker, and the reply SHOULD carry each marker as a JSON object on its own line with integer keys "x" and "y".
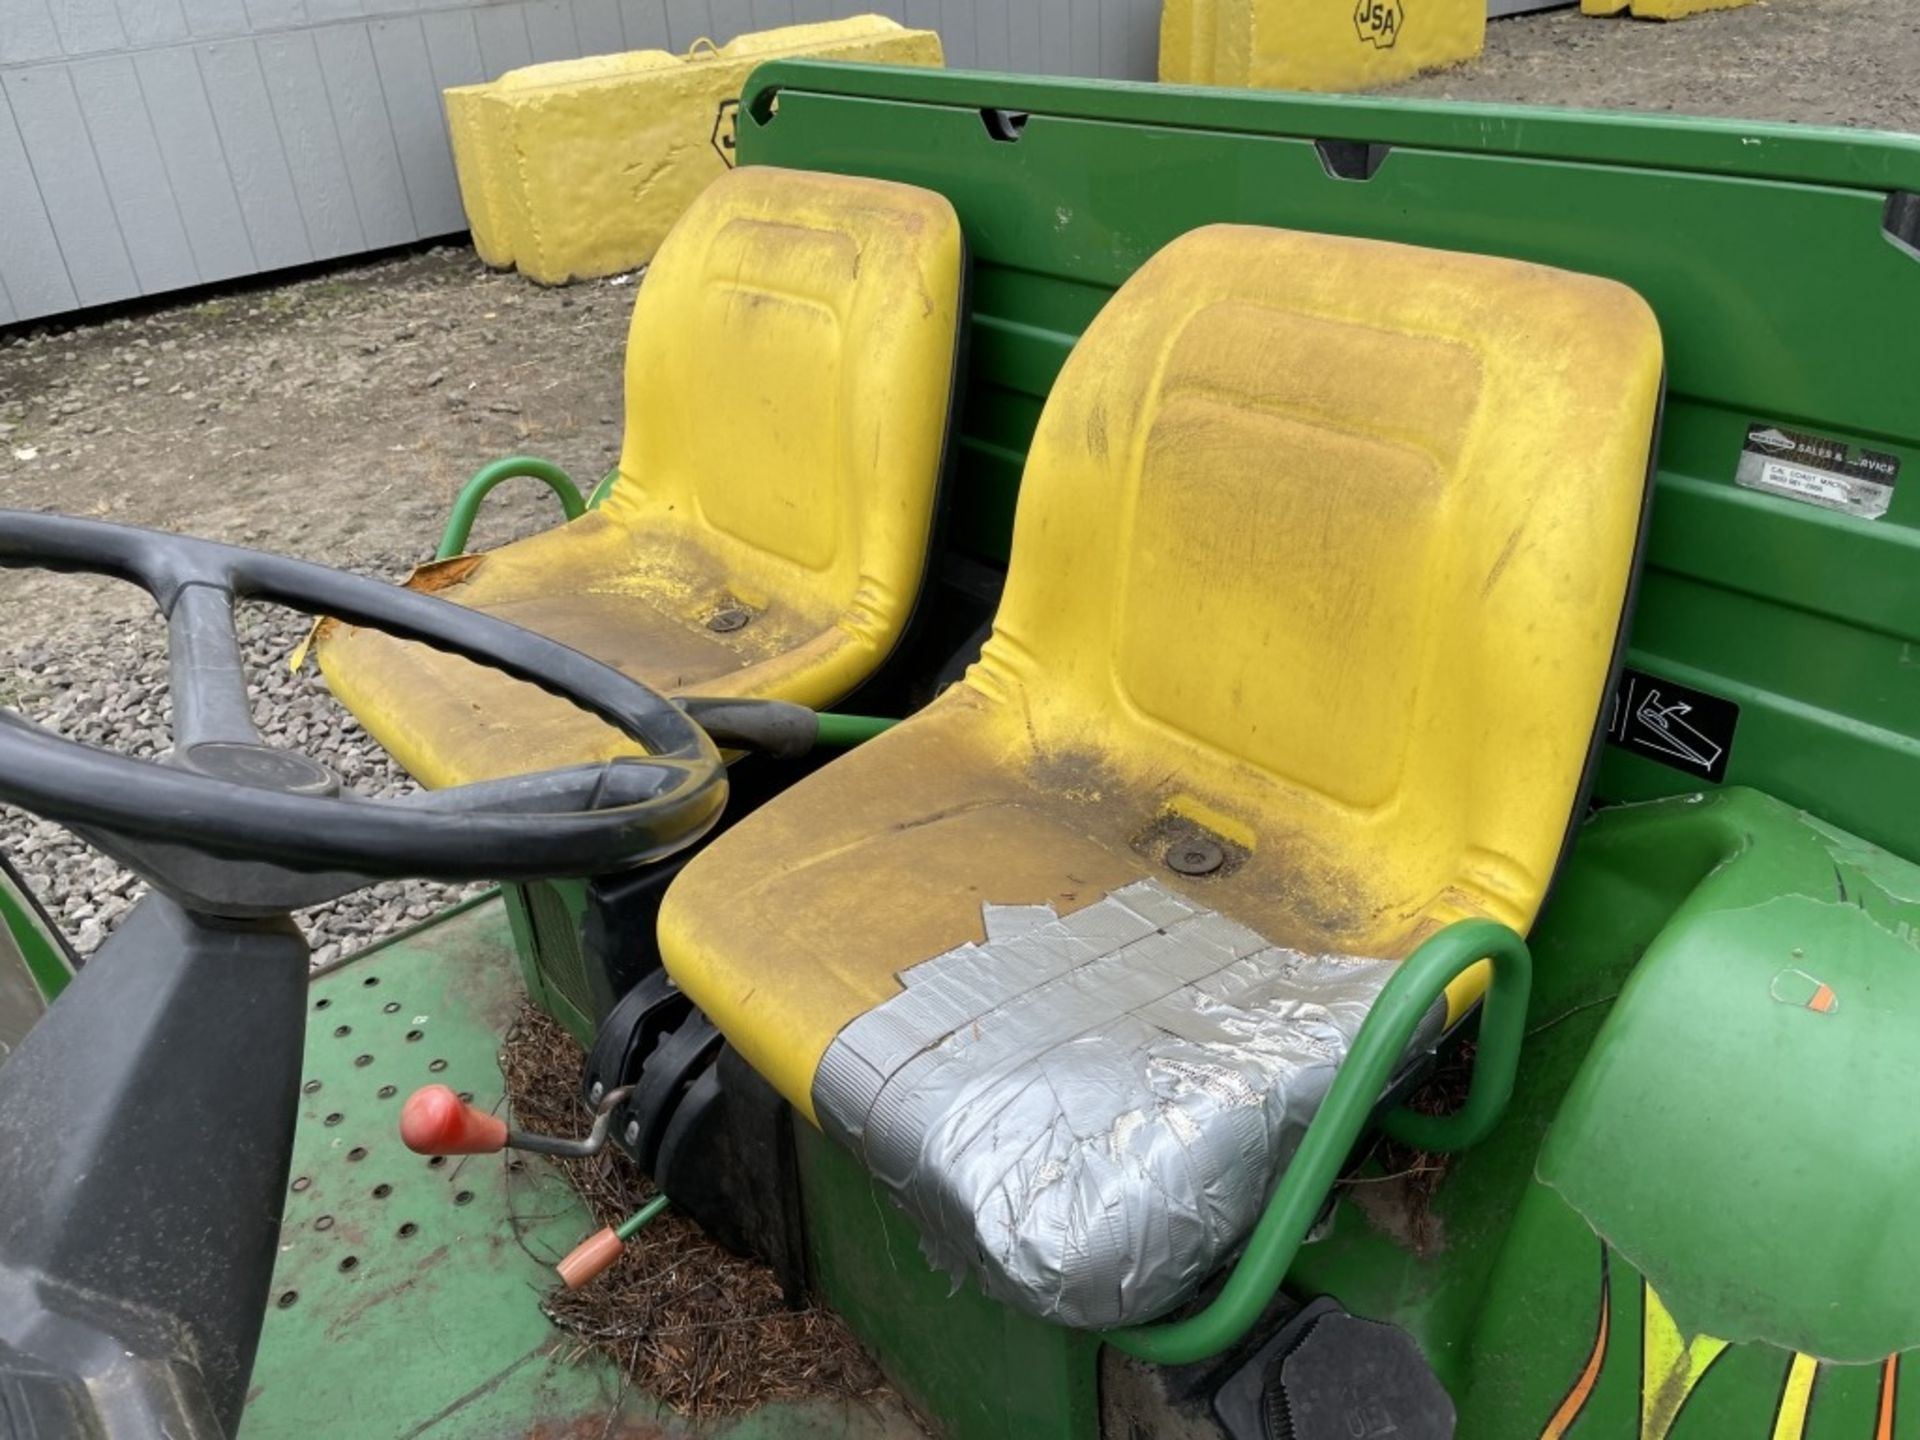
{"x": 466, "y": 506}
{"x": 1356, "y": 1090}
{"x": 849, "y": 730}
{"x": 641, "y": 1218}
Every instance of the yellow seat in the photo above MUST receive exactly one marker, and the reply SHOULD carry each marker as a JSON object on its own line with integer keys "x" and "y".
{"x": 1318, "y": 573}
{"x": 790, "y": 378}
{"x": 1323, "y": 547}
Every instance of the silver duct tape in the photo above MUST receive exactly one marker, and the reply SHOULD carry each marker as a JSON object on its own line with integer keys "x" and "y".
{"x": 1090, "y": 1112}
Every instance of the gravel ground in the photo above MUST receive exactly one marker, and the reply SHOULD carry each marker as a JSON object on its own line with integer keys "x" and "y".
{"x": 109, "y": 689}
{"x": 335, "y": 416}
{"x": 1823, "y": 62}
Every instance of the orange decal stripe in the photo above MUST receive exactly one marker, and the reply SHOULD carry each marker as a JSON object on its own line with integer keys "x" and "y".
{"x": 1576, "y": 1400}
{"x": 1889, "y": 1381}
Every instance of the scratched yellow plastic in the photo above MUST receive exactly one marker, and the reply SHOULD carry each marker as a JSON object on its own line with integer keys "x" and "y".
{"x": 1315, "y": 44}
{"x": 1323, "y": 547}
{"x": 1657, "y": 9}
{"x": 579, "y": 168}
{"x": 788, "y": 387}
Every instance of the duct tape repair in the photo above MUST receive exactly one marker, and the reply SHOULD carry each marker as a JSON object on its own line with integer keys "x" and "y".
{"x": 1090, "y": 1111}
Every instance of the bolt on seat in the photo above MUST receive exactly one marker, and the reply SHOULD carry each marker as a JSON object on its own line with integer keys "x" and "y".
{"x": 790, "y": 380}
{"x": 1318, "y": 581}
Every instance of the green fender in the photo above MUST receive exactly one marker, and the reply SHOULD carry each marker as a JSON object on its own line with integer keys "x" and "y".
{"x": 1742, "y": 1131}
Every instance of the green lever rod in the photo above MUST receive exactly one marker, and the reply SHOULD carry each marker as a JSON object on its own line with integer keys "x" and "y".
{"x": 1357, "y": 1086}
{"x": 634, "y": 1223}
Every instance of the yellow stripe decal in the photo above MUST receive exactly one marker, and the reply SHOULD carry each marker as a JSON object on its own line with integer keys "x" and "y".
{"x": 1671, "y": 1365}
{"x": 1796, "y": 1398}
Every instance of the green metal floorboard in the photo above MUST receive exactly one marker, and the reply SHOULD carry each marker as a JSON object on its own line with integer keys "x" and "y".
{"x": 406, "y": 1299}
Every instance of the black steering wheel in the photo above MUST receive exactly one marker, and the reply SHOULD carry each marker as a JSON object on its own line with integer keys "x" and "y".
{"x": 227, "y": 794}
{"x": 147, "y": 1120}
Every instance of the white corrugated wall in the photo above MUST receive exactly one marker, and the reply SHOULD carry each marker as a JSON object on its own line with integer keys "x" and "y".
{"x": 150, "y": 145}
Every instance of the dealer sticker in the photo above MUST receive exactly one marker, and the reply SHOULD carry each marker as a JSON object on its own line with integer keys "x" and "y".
{"x": 1818, "y": 470}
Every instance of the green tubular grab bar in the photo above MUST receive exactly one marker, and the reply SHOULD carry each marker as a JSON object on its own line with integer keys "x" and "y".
{"x": 453, "y": 540}
{"x": 1356, "y": 1089}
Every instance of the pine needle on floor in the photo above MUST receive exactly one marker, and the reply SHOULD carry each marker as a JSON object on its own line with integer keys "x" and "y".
{"x": 685, "y": 1320}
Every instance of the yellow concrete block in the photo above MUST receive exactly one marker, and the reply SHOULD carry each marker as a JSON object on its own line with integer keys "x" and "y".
{"x": 483, "y": 125}
{"x": 1315, "y": 44}
{"x": 579, "y": 168}
{"x": 1657, "y": 9}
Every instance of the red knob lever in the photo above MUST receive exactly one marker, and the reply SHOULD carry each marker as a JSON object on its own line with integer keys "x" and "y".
{"x": 435, "y": 1121}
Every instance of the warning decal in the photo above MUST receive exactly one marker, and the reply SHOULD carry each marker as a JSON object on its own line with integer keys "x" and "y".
{"x": 1817, "y": 470}
{"x": 1676, "y": 725}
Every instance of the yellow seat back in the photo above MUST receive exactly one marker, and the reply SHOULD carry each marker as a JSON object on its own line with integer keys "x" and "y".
{"x": 790, "y": 372}
{"x": 1326, "y": 543}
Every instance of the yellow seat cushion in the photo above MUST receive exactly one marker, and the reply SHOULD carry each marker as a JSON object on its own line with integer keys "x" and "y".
{"x": 1322, "y": 549}
{"x": 790, "y": 378}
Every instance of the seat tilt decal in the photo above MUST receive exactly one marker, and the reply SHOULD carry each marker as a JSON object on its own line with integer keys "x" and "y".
{"x": 1673, "y": 725}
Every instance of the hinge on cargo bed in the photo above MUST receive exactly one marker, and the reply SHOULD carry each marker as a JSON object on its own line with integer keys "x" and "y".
{"x": 1901, "y": 221}
{"x": 1351, "y": 159}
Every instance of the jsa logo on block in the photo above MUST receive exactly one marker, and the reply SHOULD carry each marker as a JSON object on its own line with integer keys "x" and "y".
{"x": 1379, "y": 22}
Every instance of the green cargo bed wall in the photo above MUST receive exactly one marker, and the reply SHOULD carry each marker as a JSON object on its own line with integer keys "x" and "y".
{"x": 1777, "y": 643}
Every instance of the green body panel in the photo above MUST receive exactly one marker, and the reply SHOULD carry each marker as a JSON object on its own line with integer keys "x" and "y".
{"x": 1759, "y": 1177}
{"x": 34, "y": 962}
{"x": 980, "y": 1370}
{"x": 546, "y": 916}
{"x": 1763, "y": 250}
{"x": 42, "y": 952}
{"x": 439, "y": 1332}
{"x": 1531, "y": 1357}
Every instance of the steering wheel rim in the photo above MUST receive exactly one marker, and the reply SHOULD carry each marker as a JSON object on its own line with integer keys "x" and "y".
{"x": 673, "y": 793}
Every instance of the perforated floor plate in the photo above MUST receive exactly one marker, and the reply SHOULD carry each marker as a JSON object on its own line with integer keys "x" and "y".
{"x": 406, "y": 1298}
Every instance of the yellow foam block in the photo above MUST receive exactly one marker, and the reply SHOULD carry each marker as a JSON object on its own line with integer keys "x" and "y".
{"x": 1657, "y": 9}
{"x": 579, "y": 168}
{"x": 1315, "y": 44}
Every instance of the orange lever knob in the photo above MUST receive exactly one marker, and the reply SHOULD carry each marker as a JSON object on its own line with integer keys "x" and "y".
{"x": 590, "y": 1258}
{"x": 435, "y": 1121}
